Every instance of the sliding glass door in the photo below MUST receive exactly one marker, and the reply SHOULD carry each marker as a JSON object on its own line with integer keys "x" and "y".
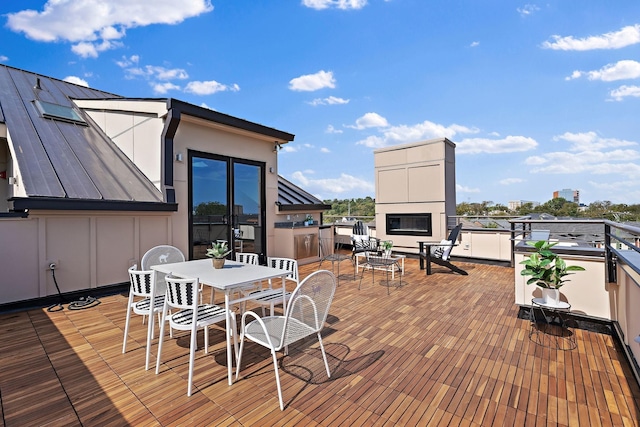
{"x": 226, "y": 202}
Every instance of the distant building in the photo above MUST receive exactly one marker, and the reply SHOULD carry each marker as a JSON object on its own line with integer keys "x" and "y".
{"x": 568, "y": 194}
{"x": 516, "y": 204}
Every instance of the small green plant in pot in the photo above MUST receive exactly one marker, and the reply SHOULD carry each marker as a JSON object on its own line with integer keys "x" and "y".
{"x": 547, "y": 270}
{"x": 387, "y": 245}
{"x": 218, "y": 251}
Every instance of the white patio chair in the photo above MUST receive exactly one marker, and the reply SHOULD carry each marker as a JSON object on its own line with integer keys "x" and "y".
{"x": 182, "y": 294}
{"x": 161, "y": 254}
{"x": 305, "y": 315}
{"x": 141, "y": 293}
{"x": 273, "y": 297}
{"x": 247, "y": 258}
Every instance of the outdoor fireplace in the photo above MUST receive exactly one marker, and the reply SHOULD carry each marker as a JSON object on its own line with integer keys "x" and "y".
{"x": 409, "y": 224}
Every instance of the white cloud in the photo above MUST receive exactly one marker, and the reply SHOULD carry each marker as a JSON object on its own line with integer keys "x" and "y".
{"x": 474, "y": 44}
{"x": 128, "y": 62}
{"x": 589, "y": 154}
{"x": 155, "y": 72}
{"x": 76, "y": 80}
{"x": 535, "y": 160}
{"x": 332, "y": 187}
{"x": 162, "y": 88}
{"x": 621, "y": 70}
{"x": 325, "y": 150}
{"x": 4, "y": 58}
{"x": 370, "y": 120}
{"x": 312, "y": 82}
{"x": 464, "y": 189}
{"x": 91, "y": 50}
{"x": 331, "y": 100}
{"x": 527, "y": 9}
{"x": 615, "y": 40}
{"x": 338, "y": 4}
{"x": 93, "y": 25}
{"x": 288, "y": 148}
{"x": 508, "y": 144}
{"x": 510, "y": 181}
{"x": 209, "y": 87}
{"x": 414, "y": 133}
{"x": 624, "y": 91}
{"x": 331, "y": 129}
{"x": 590, "y": 141}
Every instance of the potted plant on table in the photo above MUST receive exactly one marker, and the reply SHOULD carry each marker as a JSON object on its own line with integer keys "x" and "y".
{"x": 217, "y": 252}
{"x": 547, "y": 270}
{"x": 387, "y": 245}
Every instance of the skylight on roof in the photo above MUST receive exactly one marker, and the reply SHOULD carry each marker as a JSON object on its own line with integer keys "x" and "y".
{"x": 59, "y": 112}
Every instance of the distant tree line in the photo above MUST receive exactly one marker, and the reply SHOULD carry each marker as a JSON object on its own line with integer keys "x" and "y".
{"x": 556, "y": 207}
{"x": 366, "y": 207}
{"x": 351, "y": 208}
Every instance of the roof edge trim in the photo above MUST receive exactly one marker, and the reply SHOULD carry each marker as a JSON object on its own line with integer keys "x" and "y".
{"x": 224, "y": 119}
{"x": 46, "y": 203}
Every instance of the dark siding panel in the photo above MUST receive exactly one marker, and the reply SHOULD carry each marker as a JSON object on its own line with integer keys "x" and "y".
{"x": 38, "y": 176}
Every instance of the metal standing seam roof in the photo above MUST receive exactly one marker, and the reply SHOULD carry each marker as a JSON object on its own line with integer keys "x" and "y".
{"x": 292, "y": 197}
{"x": 61, "y": 160}
{"x": 69, "y": 165}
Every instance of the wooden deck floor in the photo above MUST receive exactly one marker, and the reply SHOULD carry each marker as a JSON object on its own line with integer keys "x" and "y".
{"x": 441, "y": 350}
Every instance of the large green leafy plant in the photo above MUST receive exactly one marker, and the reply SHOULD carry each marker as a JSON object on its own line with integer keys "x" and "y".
{"x": 546, "y": 268}
{"x": 218, "y": 250}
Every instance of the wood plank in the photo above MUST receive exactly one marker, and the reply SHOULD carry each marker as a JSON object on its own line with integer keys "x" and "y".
{"x": 459, "y": 361}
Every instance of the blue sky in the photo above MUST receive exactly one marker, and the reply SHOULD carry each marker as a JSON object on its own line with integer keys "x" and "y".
{"x": 537, "y": 96}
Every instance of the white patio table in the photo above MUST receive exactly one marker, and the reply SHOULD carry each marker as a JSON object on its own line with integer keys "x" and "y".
{"x": 233, "y": 276}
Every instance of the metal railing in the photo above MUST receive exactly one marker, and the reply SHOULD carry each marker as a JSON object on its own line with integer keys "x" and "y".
{"x": 621, "y": 241}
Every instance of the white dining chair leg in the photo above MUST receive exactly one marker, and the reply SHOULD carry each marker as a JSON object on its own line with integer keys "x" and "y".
{"x": 239, "y": 357}
{"x": 206, "y": 340}
{"x": 324, "y": 355}
{"x": 150, "y": 333}
{"x": 275, "y": 365}
{"x": 161, "y": 339}
{"x": 126, "y": 324}
{"x": 192, "y": 356}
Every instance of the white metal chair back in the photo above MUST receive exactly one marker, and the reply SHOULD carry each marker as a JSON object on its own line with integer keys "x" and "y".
{"x": 309, "y": 306}
{"x": 305, "y": 315}
{"x": 285, "y": 264}
{"x": 162, "y": 254}
{"x": 141, "y": 281}
{"x": 247, "y": 258}
{"x": 182, "y": 293}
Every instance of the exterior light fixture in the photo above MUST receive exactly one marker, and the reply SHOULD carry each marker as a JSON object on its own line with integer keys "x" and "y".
{"x": 276, "y": 146}
{"x": 178, "y": 157}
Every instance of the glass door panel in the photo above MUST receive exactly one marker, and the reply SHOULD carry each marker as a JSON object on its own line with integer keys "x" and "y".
{"x": 209, "y": 203}
{"x": 247, "y": 208}
{"x": 216, "y": 184}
